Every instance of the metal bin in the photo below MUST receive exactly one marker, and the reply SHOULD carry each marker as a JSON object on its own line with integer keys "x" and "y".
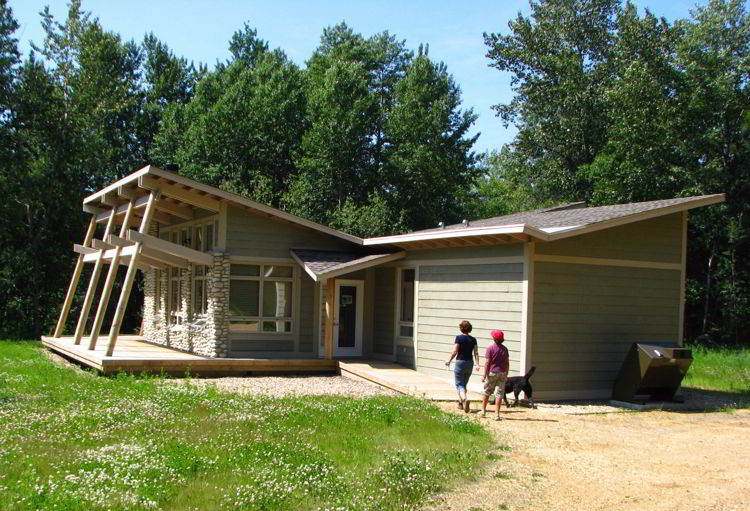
{"x": 651, "y": 372}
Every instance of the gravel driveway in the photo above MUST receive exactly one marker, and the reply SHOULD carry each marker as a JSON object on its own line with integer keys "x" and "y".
{"x": 567, "y": 457}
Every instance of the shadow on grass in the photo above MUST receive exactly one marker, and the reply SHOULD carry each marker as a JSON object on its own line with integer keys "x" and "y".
{"x": 702, "y": 400}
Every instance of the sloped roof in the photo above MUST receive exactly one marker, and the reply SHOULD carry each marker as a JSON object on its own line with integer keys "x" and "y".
{"x": 180, "y": 195}
{"x": 548, "y": 224}
{"x": 324, "y": 264}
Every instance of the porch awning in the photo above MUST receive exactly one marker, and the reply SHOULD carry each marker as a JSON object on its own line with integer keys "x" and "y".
{"x": 324, "y": 264}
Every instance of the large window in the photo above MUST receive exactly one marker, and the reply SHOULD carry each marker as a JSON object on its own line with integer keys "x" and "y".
{"x": 406, "y": 307}
{"x": 261, "y": 298}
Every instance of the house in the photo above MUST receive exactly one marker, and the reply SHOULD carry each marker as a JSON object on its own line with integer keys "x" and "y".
{"x": 226, "y": 277}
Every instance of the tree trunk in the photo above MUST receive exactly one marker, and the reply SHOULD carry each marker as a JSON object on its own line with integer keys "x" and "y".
{"x": 707, "y": 293}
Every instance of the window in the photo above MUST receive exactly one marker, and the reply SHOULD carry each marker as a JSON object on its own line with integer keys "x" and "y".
{"x": 203, "y": 241}
{"x": 201, "y": 235}
{"x": 406, "y": 308}
{"x": 261, "y": 298}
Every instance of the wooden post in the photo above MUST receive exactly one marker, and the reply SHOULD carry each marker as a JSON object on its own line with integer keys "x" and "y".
{"x": 94, "y": 281}
{"x": 128, "y": 284}
{"x": 330, "y": 309}
{"x": 74, "y": 281}
{"x": 110, "y": 282}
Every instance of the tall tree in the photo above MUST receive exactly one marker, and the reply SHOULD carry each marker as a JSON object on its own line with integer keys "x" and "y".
{"x": 671, "y": 103}
{"x": 243, "y": 128}
{"x": 560, "y": 62}
{"x": 713, "y": 55}
{"x": 167, "y": 80}
{"x": 36, "y": 203}
{"x": 336, "y": 163}
{"x": 643, "y": 156}
{"x": 430, "y": 166}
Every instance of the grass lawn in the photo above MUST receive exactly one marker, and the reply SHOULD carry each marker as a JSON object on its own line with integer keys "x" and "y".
{"x": 725, "y": 369}
{"x": 73, "y": 440}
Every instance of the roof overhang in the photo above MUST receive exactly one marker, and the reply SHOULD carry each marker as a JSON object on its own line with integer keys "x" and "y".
{"x": 322, "y": 265}
{"x": 466, "y": 236}
{"x": 180, "y": 197}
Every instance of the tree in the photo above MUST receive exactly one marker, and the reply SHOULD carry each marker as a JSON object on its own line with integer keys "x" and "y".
{"x": 713, "y": 55}
{"x": 560, "y": 61}
{"x": 430, "y": 166}
{"x": 497, "y": 190}
{"x": 243, "y": 128}
{"x": 168, "y": 80}
{"x": 39, "y": 214}
{"x": 8, "y": 54}
{"x": 663, "y": 108}
{"x": 643, "y": 156}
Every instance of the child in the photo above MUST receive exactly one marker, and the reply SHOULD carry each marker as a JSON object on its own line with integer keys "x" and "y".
{"x": 496, "y": 364}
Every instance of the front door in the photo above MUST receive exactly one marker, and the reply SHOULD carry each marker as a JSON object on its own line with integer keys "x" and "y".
{"x": 347, "y": 331}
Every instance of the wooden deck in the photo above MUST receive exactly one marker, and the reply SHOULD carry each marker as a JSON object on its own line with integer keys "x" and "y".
{"x": 133, "y": 354}
{"x": 402, "y": 379}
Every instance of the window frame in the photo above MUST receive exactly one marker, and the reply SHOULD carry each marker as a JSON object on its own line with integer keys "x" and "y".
{"x": 185, "y": 234}
{"x": 236, "y": 322}
{"x": 399, "y": 323}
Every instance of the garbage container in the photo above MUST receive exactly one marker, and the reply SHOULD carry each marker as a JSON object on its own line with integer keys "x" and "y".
{"x": 651, "y": 372}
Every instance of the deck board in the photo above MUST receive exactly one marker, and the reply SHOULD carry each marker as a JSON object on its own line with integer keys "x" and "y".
{"x": 133, "y": 354}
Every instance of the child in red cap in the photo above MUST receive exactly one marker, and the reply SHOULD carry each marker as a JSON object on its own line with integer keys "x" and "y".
{"x": 496, "y": 364}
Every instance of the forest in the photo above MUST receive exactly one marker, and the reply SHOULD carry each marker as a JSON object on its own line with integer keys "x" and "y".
{"x": 369, "y": 136}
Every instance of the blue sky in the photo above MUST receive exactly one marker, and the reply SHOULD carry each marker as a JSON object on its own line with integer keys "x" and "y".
{"x": 200, "y": 31}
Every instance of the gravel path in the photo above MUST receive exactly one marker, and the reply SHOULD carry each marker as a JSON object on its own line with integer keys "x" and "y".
{"x": 292, "y": 385}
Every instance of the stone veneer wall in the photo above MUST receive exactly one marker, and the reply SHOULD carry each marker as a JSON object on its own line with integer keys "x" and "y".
{"x": 203, "y": 334}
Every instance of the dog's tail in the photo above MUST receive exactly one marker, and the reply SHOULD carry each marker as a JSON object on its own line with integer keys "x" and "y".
{"x": 531, "y": 371}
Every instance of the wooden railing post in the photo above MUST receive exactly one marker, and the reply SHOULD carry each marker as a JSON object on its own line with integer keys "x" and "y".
{"x": 94, "y": 281}
{"x": 110, "y": 282}
{"x": 129, "y": 277}
{"x": 74, "y": 281}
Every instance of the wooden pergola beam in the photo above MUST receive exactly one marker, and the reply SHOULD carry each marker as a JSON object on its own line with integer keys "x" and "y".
{"x": 129, "y": 277}
{"x": 140, "y": 203}
{"x": 84, "y": 250}
{"x": 74, "y": 280}
{"x": 102, "y": 245}
{"x": 194, "y": 256}
{"x": 92, "y": 283}
{"x": 185, "y": 195}
{"x": 110, "y": 282}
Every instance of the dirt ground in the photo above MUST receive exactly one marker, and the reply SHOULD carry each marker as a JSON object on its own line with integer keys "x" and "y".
{"x": 596, "y": 457}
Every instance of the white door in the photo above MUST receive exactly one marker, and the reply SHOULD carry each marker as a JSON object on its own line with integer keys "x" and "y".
{"x": 347, "y": 329}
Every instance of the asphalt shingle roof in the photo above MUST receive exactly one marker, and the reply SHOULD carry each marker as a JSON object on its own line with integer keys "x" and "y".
{"x": 570, "y": 215}
{"x": 323, "y": 261}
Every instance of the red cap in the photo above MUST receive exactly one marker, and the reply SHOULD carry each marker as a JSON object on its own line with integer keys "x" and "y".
{"x": 498, "y": 335}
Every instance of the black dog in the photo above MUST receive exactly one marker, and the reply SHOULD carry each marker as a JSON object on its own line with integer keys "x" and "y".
{"x": 516, "y": 384}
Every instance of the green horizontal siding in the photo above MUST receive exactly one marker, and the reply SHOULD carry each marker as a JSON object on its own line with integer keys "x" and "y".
{"x": 587, "y": 316}
{"x": 487, "y": 295}
{"x": 657, "y": 240}
{"x": 249, "y": 234}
